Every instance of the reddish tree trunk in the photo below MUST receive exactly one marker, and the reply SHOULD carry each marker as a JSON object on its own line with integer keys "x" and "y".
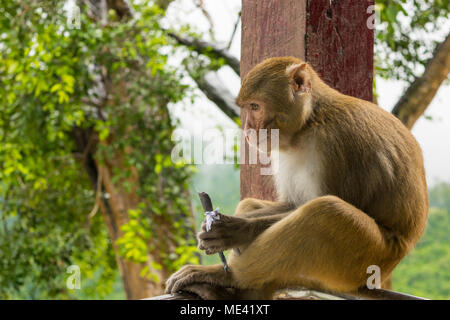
{"x": 339, "y": 45}
{"x": 269, "y": 29}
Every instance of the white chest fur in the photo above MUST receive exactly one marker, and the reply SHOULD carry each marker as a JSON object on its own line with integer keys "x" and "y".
{"x": 298, "y": 175}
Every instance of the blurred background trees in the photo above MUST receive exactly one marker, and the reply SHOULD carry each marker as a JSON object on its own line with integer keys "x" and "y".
{"x": 86, "y": 121}
{"x": 85, "y": 144}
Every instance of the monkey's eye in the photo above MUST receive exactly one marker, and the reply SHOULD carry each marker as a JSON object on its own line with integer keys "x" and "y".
{"x": 254, "y": 106}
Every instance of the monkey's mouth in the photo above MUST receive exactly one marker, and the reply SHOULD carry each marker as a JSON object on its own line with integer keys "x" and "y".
{"x": 246, "y": 137}
{"x": 262, "y": 148}
{"x": 249, "y": 140}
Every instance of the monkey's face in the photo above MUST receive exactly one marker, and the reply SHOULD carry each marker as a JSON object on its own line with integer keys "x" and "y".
{"x": 276, "y": 94}
{"x": 258, "y": 121}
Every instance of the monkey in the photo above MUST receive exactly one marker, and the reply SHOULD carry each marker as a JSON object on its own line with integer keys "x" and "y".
{"x": 351, "y": 192}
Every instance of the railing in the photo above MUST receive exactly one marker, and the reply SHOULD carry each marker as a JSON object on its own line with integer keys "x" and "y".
{"x": 307, "y": 294}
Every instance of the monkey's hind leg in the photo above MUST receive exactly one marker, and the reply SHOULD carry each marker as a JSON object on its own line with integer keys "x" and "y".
{"x": 326, "y": 243}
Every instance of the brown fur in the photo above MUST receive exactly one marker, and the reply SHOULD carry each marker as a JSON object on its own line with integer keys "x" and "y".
{"x": 371, "y": 210}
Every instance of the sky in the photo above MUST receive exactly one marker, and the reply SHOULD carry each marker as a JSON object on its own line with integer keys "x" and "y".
{"x": 432, "y": 135}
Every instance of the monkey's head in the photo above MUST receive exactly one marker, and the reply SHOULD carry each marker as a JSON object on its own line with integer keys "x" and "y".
{"x": 277, "y": 94}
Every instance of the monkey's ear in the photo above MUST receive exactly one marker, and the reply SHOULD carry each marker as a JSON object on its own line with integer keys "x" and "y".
{"x": 299, "y": 78}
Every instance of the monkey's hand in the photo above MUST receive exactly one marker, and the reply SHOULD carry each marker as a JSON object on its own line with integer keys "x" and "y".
{"x": 189, "y": 277}
{"x": 226, "y": 232}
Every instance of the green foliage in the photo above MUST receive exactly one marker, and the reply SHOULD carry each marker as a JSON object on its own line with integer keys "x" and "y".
{"x": 44, "y": 230}
{"x": 425, "y": 272}
{"x": 404, "y": 39}
{"x": 51, "y": 78}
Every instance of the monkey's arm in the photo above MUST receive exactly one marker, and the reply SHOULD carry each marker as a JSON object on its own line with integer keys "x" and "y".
{"x": 255, "y": 208}
{"x": 232, "y": 232}
{"x": 251, "y": 218}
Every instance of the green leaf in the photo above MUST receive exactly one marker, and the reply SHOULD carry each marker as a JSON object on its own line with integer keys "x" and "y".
{"x": 56, "y": 87}
{"x": 103, "y": 134}
{"x": 144, "y": 271}
{"x": 156, "y": 266}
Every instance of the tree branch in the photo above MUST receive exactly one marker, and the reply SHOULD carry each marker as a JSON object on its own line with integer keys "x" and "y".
{"x": 163, "y": 4}
{"x": 422, "y": 91}
{"x": 122, "y": 7}
{"x": 210, "y": 84}
{"x": 215, "y": 91}
{"x": 201, "y": 6}
{"x": 201, "y": 46}
{"x": 97, "y": 7}
{"x": 234, "y": 31}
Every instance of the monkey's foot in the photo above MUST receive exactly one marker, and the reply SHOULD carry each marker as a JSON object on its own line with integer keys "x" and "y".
{"x": 207, "y": 291}
{"x": 189, "y": 275}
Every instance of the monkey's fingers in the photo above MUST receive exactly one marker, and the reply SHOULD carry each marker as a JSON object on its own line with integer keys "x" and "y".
{"x": 175, "y": 277}
{"x": 213, "y": 241}
{"x": 183, "y": 282}
{"x": 170, "y": 282}
{"x": 185, "y": 277}
{"x": 214, "y": 246}
{"x": 217, "y": 223}
{"x": 222, "y": 228}
{"x": 210, "y": 235}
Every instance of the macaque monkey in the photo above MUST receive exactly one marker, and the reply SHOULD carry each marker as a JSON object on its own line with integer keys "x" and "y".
{"x": 351, "y": 192}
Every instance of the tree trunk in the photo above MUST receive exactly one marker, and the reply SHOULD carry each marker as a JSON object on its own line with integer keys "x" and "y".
{"x": 115, "y": 212}
{"x": 269, "y": 29}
